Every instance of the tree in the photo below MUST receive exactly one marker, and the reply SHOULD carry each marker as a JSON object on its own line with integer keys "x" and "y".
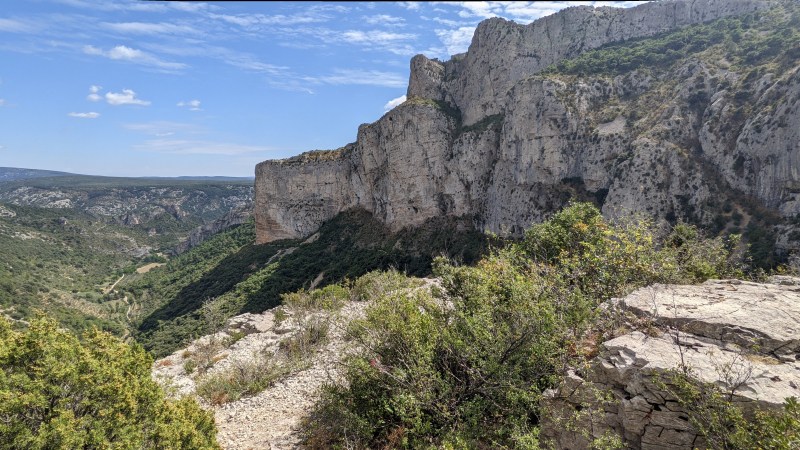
{"x": 59, "y": 392}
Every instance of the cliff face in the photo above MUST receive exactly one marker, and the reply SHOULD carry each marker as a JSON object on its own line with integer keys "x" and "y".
{"x": 487, "y": 135}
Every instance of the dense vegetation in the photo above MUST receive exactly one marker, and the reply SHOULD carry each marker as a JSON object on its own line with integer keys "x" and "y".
{"x": 465, "y": 366}
{"x": 227, "y": 275}
{"x": 66, "y": 239}
{"x": 748, "y": 40}
{"x": 57, "y": 392}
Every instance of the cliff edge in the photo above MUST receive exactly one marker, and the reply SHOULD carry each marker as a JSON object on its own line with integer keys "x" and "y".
{"x": 500, "y": 136}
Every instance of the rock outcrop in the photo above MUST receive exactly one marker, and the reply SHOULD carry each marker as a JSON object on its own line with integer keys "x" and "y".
{"x": 487, "y": 136}
{"x": 740, "y": 336}
{"x": 203, "y": 232}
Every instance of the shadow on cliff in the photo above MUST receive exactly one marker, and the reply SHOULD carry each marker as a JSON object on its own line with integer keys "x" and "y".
{"x": 346, "y": 247}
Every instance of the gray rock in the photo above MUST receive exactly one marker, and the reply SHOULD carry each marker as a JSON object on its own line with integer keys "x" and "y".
{"x": 736, "y": 335}
{"x": 485, "y": 135}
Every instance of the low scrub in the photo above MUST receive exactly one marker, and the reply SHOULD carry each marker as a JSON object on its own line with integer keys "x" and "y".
{"x": 465, "y": 366}
{"x": 242, "y": 378}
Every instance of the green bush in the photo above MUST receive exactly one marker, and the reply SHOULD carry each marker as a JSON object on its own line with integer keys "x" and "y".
{"x": 464, "y": 366}
{"x": 240, "y": 379}
{"x": 59, "y": 392}
{"x": 725, "y": 425}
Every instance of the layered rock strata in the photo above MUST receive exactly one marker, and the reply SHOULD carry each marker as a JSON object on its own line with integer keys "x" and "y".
{"x": 739, "y": 336}
{"x": 483, "y": 136}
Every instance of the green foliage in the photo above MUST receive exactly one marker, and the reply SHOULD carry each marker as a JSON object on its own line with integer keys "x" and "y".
{"x": 241, "y": 277}
{"x": 464, "y": 365}
{"x": 750, "y": 39}
{"x": 725, "y": 425}
{"x": 57, "y": 392}
{"x": 242, "y": 378}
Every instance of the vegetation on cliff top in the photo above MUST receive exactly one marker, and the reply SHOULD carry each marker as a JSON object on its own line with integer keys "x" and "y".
{"x": 751, "y": 39}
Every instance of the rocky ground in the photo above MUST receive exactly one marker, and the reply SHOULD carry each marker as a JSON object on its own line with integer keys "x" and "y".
{"x": 270, "y": 419}
{"x": 740, "y": 336}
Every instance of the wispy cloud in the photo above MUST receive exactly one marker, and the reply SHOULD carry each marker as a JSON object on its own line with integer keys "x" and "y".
{"x": 162, "y": 128}
{"x": 375, "y": 36}
{"x": 126, "y": 97}
{"x": 17, "y": 26}
{"x": 86, "y": 115}
{"x": 196, "y": 147}
{"x": 360, "y": 77}
{"x": 253, "y": 21}
{"x": 385, "y": 20}
{"x": 193, "y": 105}
{"x": 124, "y": 53}
{"x": 411, "y": 6}
{"x": 149, "y": 28}
{"x": 2, "y": 102}
{"x": 134, "y": 5}
{"x": 394, "y": 102}
{"x": 457, "y": 40}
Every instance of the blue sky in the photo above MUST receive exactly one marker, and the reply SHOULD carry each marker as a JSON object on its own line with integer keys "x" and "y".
{"x": 151, "y": 88}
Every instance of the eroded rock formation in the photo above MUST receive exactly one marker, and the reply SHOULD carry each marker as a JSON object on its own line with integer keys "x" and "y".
{"x": 487, "y": 136}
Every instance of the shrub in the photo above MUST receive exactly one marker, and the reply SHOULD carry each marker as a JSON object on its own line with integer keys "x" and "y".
{"x": 240, "y": 379}
{"x": 465, "y": 365}
{"x": 724, "y": 425}
{"x": 59, "y": 392}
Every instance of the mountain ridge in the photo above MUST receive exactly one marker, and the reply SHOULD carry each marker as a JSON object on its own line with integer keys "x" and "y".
{"x": 492, "y": 137}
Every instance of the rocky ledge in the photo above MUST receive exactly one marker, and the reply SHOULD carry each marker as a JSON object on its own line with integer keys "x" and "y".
{"x": 743, "y": 337}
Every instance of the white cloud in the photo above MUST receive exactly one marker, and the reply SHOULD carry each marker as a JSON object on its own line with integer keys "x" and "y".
{"x": 86, "y": 115}
{"x": 193, "y": 147}
{"x": 458, "y": 40}
{"x": 384, "y": 19}
{"x": 375, "y": 36}
{"x": 193, "y": 105}
{"x": 93, "y": 93}
{"x": 105, "y": 5}
{"x": 412, "y": 6}
{"x": 17, "y": 26}
{"x": 2, "y": 102}
{"x": 361, "y": 77}
{"x": 149, "y": 28}
{"x": 253, "y": 21}
{"x": 124, "y": 53}
{"x": 394, "y": 102}
{"x": 126, "y": 97}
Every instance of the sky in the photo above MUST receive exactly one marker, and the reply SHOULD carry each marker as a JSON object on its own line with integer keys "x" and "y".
{"x": 157, "y": 88}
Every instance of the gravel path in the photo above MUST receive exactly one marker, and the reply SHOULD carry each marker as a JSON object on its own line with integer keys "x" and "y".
{"x": 269, "y": 420}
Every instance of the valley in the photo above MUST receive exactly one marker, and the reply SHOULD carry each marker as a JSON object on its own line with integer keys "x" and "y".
{"x": 69, "y": 240}
{"x": 583, "y": 232}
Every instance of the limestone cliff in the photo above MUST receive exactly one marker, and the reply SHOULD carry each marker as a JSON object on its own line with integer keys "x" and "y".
{"x": 492, "y": 135}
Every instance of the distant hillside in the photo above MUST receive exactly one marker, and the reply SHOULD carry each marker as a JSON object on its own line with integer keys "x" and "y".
{"x": 66, "y": 239}
{"x": 13, "y": 174}
{"x": 228, "y": 275}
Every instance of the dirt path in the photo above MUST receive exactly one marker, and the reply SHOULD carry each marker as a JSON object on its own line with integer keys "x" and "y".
{"x": 114, "y": 285}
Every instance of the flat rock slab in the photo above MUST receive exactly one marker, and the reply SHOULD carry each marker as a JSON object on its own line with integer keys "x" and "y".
{"x": 764, "y": 318}
{"x": 632, "y": 359}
